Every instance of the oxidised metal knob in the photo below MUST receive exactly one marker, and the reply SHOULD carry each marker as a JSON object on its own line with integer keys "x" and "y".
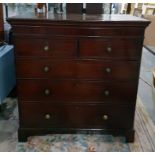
{"x": 108, "y": 70}
{"x": 46, "y": 69}
{"x": 105, "y": 117}
{"x": 106, "y": 93}
{"x": 46, "y": 48}
{"x": 109, "y": 49}
{"x": 47, "y": 116}
{"x": 47, "y": 92}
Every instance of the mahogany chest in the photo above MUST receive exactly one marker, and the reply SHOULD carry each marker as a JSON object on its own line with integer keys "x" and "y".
{"x": 77, "y": 73}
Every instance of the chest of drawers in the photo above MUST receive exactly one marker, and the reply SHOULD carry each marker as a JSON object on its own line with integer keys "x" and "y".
{"x": 77, "y": 73}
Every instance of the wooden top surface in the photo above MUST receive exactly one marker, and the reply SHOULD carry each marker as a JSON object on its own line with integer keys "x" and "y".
{"x": 78, "y": 17}
{"x": 107, "y": 20}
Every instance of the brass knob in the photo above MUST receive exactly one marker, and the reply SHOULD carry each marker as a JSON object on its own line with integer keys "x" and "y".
{"x": 46, "y": 48}
{"x": 47, "y": 92}
{"x": 106, "y": 93}
{"x": 46, "y": 69}
{"x": 47, "y": 116}
{"x": 109, "y": 49}
{"x": 108, "y": 70}
{"x": 105, "y": 117}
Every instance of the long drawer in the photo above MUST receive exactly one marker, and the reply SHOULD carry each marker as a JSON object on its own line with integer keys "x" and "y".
{"x": 46, "y": 47}
{"x": 80, "y": 69}
{"x": 113, "y": 48}
{"x": 76, "y": 91}
{"x": 45, "y": 115}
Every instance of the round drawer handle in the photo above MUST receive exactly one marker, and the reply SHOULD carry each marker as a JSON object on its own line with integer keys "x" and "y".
{"x": 108, "y": 70}
{"x": 47, "y": 92}
{"x": 46, "y": 48}
{"x": 106, "y": 93}
{"x": 46, "y": 69}
{"x": 109, "y": 49}
{"x": 105, "y": 117}
{"x": 47, "y": 116}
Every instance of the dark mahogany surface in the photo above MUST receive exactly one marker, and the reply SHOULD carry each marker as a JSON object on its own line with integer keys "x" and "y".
{"x": 77, "y": 72}
{"x": 75, "y": 116}
{"x": 80, "y": 69}
{"x": 77, "y": 18}
{"x": 57, "y": 47}
{"x": 77, "y": 91}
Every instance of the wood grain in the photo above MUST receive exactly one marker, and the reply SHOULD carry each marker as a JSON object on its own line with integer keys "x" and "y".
{"x": 93, "y": 70}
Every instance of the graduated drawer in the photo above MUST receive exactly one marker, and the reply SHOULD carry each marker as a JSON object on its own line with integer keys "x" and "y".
{"x": 44, "y": 115}
{"x": 80, "y": 69}
{"x": 77, "y": 91}
{"x": 53, "y": 47}
{"x": 113, "y": 48}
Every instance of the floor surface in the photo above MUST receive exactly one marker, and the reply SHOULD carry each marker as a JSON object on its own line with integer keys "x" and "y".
{"x": 145, "y": 89}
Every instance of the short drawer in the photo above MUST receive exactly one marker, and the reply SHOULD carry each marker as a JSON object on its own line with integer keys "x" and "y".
{"x": 45, "y": 115}
{"x": 53, "y": 47}
{"x": 77, "y": 91}
{"x": 113, "y": 48}
{"x": 79, "y": 69}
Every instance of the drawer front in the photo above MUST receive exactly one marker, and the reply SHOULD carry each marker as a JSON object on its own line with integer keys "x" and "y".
{"x": 53, "y": 47}
{"x": 76, "y": 91}
{"x": 80, "y": 69}
{"x": 47, "y": 115}
{"x": 114, "y": 48}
